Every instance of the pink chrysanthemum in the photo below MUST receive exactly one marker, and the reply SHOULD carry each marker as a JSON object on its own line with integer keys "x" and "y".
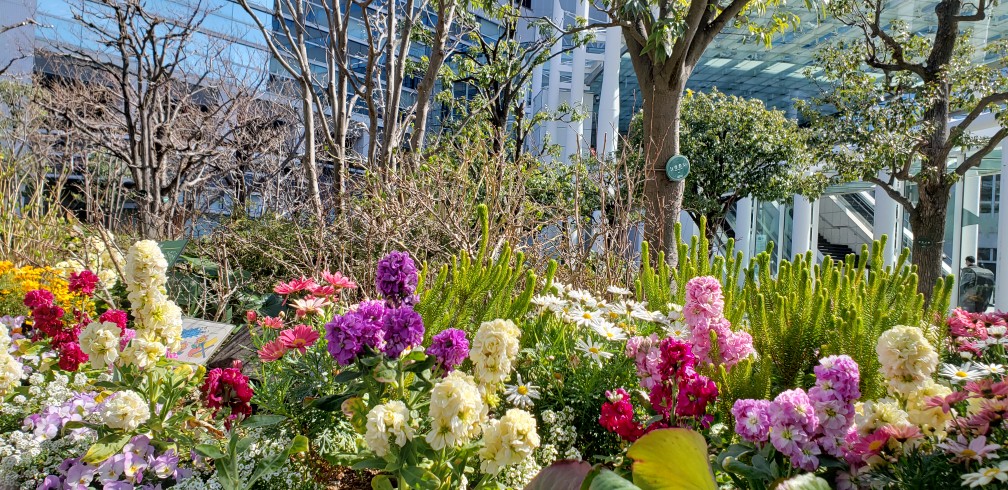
{"x": 273, "y": 322}
{"x": 338, "y": 280}
{"x": 294, "y": 286}
{"x": 300, "y": 337}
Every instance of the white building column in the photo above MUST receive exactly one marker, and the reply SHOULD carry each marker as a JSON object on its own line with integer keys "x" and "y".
{"x": 957, "y": 233}
{"x": 553, "y": 91}
{"x": 801, "y": 222}
{"x": 1001, "y": 284}
{"x": 971, "y": 205}
{"x": 886, "y": 219}
{"x": 609, "y": 105}
{"x": 744, "y": 225}
{"x": 575, "y": 139}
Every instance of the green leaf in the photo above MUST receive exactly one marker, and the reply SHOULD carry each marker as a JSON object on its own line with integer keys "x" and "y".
{"x": 606, "y": 479}
{"x": 105, "y": 447}
{"x": 418, "y": 477}
{"x": 561, "y": 475}
{"x": 265, "y": 420}
{"x": 382, "y": 482}
{"x": 346, "y": 376}
{"x": 330, "y": 403}
{"x": 370, "y": 463}
{"x": 667, "y": 459}
{"x": 210, "y": 451}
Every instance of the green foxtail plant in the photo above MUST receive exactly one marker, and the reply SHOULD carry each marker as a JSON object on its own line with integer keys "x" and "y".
{"x": 809, "y": 311}
{"x": 472, "y": 290}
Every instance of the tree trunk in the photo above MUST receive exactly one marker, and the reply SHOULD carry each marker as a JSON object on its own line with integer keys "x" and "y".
{"x": 927, "y": 221}
{"x": 308, "y": 160}
{"x": 663, "y": 197}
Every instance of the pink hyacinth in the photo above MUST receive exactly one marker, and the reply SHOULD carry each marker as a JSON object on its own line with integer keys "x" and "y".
{"x": 703, "y": 299}
{"x": 793, "y": 407}
{"x": 734, "y": 346}
{"x": 647, "y": 358}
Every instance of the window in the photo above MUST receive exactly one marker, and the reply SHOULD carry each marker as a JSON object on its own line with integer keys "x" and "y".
{"x": 987, "y": 258}
{"x": 990, "y": 194}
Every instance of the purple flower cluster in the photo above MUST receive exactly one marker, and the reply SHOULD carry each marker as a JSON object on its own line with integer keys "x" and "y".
{"x": 704, "y": 313}
{"x": 804, "y": 425}
{"x": 373, "y": 324}
{"x": 138, "y": 466}
{"x": 48, "y": 423}
{"x": 396, "y": 277}
{"x": 403, "y": 329}
{"x": 647, "y": 357}
{"x": 348, "y": 334}
{"x": 450, "y": 347}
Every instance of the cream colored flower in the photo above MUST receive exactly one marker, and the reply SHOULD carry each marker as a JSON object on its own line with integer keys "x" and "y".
{"x": 508, "y": 441}
{"x": 100, "y": 341}
{"x": 125, "y": 410}
{"x": 929, "y": 419}
{"x": 385, "y": 422}
{"x": 907, "y": 358}
{"x": 493, "y": 348}
{"x": 456, "y": 411}
{"x": 11, "y": 372}
{"x": 142, "y": 352}
{"x": 145, "y": 266}
{"x": 874, "y": 414}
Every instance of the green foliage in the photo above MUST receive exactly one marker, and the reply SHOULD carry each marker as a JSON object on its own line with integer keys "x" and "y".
{"x": 472, "y": 290}
{"x": 807, "y": 312}
{"x": 226, "y": 461}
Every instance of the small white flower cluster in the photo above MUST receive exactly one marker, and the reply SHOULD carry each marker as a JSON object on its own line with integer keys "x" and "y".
{"x": 293, "y": 475}
{"x": 26, "y": 459}
{"x": 603, "y": 320}
{"x": 43, "y": 392}
{"x": 96, "y": 257}
{"x": 157, "y": 318}
{"x": 11, "y": 371}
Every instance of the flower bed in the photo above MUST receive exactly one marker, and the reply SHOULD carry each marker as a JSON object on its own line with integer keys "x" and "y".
{"x": 552, "y": 388}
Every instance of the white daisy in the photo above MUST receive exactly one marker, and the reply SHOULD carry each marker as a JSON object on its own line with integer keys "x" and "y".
{"x": 996, "y": 330}
{"x": 521, "y": 393}
{"x": 674, "y": 311}
{"x": 549, "y": 302}
{"x": 633, "y": 309}
{"x": 593, "y": 350}
{"x": 585, "y": 317}
{"x": 583, "y": 297}
{"x": 984, "y": 476}
{"x": 959, "y": 374}
{"x": 990, "y": 369}
{"x": 610, "y": 332}
{"x": 678, "y": 330}
{"x": 618, "y": 291}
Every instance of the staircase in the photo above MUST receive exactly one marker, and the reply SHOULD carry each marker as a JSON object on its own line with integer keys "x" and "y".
{"x": 836, "y": 252}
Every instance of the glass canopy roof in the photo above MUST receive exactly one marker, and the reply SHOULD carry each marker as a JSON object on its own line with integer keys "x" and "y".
{"x": 738, "y": 65}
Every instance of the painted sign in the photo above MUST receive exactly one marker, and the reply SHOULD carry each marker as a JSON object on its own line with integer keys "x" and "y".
{"x": 200, "y": 339}
{"x": 677, "y": 168}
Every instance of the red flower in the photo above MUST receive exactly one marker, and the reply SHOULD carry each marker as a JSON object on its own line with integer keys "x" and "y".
{"x": 71, "y": 356}
{"x": 48, "y": 319}
{"x": 228, "y": 387}
{"x": 695, "y": 394}
{"x": 38, "y": 298}
{"x": 83, "y": 282}
{"x": 617, "y": 416}
{"x": 250, "y": 316}
{"x": 118, "y": 317}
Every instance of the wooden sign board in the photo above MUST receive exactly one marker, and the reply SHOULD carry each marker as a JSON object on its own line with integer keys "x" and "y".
{"x": 200, "y": 338}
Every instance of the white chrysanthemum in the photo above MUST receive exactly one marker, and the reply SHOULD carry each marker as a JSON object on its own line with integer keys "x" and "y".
{"x": 457, "y": 411}
{"x": 142, "y": 352}
{"x": 100, "y": 341}
{"x": 386, "y": 422}
{"x": 907, "y": 358}
{"x": 126, "y": 410}
{"x": 11, "y": 372}
{"x": 493, "y": 348}
{"x": 508, "y": 441}
{"x": 874, "y": 414}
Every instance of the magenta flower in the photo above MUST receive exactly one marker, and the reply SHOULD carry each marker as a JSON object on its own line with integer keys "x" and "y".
{"x": 403, "y": 329}
{"x": 752, "y": 419}
{"x": 617, "y": 416}
{"x": 450, "y": 347}
{"x": 396, "y": 277}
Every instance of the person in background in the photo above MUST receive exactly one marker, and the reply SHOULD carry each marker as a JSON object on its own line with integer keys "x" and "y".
{"x": 976, "y": 285}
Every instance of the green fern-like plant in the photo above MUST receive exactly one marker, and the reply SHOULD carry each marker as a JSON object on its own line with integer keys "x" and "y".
{"x": 472, "y": 290}
{"x": 810, "y": 311}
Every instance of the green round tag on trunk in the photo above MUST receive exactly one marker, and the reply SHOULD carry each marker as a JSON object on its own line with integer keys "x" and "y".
{"x": 677, "y": 168}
